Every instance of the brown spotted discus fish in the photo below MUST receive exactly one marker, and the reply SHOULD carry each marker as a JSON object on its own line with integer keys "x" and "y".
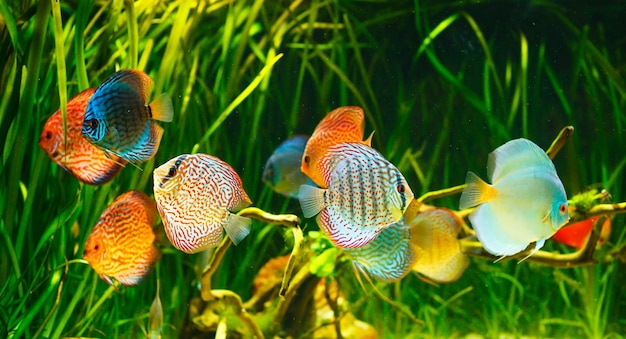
{"x": 196, "y": 195}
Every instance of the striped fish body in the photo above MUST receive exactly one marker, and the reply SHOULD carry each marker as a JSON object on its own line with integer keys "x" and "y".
{"x": 196, "y": 195}
{"x": 343, "y": 124}
{"x": 387, "y": 258}
{"x": 121, "y": 244}
{"x": 78, "y": 157}
{"x": 119, "y": 121}
{"x": 366, "y": 193}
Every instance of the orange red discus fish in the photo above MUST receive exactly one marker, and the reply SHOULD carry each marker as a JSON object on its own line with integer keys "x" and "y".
{"x": 576, "y": 234}
{"x": 119, "y": 121}
{"x": 366, "y": 193}
{"x": 343, "y": 124}
{"x": 121, "y": 245}
{"x": 196, "y": 195}
{"x": 78, "y": 157}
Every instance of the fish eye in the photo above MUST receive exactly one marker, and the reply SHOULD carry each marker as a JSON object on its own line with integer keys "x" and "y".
{"x": 48, "y": 135}
{"x": 401, "y": 188}
{"x": 563, "y": 208}
{"x": 55, "y": 154}
{"x": 93, "y": 123}
{"x": 172, "y": 171}
{"x": 307, "y": 159}
{"x": 96, "y": 247}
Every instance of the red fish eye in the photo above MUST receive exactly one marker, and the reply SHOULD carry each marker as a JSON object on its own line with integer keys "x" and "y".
{"x": 48, "y": 135}
{"x": 563, "y": 208}
{"x": 93, "y": 123}
{"x": 96, "y": 247}
{"x": 172, "y": 172}
{"x": 401, "y": 188}
{"x": 307, "y": 159}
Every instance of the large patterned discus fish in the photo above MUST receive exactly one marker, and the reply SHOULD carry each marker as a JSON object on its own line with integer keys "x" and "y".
{"x": 526, "y": 202}
{"x": 434, "y": 233}
{"x": 343, "y": 124}
{"x": 366, "y": 193}
{"x": 119, "y": 121}
{"x": 387, "y": 258}
{"x": 282, "y": 169}
{"x": 121, "y": 245}
{"x": 78, "y": 157}
{"x": 196, "y": 195}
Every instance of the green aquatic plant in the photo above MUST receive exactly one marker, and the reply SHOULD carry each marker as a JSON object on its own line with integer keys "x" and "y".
{"x": 442, "y": 84}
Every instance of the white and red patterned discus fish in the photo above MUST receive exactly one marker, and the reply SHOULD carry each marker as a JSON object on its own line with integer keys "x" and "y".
{"x": 366, "y": 193}
{"x": 196, "y": 195}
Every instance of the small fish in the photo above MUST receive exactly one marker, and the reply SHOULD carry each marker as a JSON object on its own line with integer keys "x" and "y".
{"x": 434, "y": 233}
{"x": 387, "y": 258}
{"x": 282, "y": 169}
{"x": 576, "y": 234}
{"x": 196, "y": 195}
{"x": 526, "y": 203}
{"x": 78, "y": 157}
{"x": 121, "y": 245}
{"x": 343, "y": 124}
{"x": 155, "y": 318}
{"x": 366, "y": 193}
{"x": 119, "y": 121}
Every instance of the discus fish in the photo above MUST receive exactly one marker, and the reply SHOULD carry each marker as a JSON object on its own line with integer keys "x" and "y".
{"x": 576, "y": 234}
{"x": 119, "y": 121}
{"x": 526, "y": 203}
{"x": 387, "y": 258}
{"x": 366, "y": 193}
{"x": 434, "y": 233}
{"x": 195, "y": 195}
{"x": 282, "y": 169}
{"x": 121, "y": 245}
{"x": 78, "y": 157}
{"x": 343, "y": 124}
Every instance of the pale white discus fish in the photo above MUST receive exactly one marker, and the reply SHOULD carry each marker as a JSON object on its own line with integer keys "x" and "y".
{"x": 526, "y": 202}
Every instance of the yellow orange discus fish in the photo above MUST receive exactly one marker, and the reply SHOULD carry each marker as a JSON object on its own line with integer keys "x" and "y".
{"x": 119, "y": 121}
{"x": 121, "y": 245}
{"x": 78, "y": 157}
{"x": 366, "y": 193}
{"x": 434, "y": 234}
{"x": 196, "y": 195}
{"x": 343, "y": 124}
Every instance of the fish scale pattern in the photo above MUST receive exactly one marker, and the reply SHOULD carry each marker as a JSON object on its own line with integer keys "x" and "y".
{"x": 80, "y": 158}
{"x": 196, "y": 201}
{"x": 121, "y": 244}
{"x": 387, "y": 258}
{"x": 362, "y": 194}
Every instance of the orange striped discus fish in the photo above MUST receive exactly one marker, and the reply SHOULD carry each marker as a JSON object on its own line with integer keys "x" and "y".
{"x": 196, "y": 195}
{"x": 119, "y": 121}
{"x": 387, "y": 258}
{"x": 434, "y": 233}
{"x": 366, "y": 193}
{"x": 78, "y": 157}
{"x": 121, "y": 245}
{"x": 343, "y": 124}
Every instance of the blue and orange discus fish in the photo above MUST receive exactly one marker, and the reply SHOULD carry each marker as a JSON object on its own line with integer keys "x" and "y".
{"x": 343, "y": 124}
{"x": 121, "y": 245}
{"x": 526, "y": 202}
{"x": 119, "y": 121}
{"x": 282, "y": 169}
{"x": 366, "y": 193}
{"x": 78, "y": 157}
{"x": 196, "y": 195}
{"x": 387, "y": 258}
